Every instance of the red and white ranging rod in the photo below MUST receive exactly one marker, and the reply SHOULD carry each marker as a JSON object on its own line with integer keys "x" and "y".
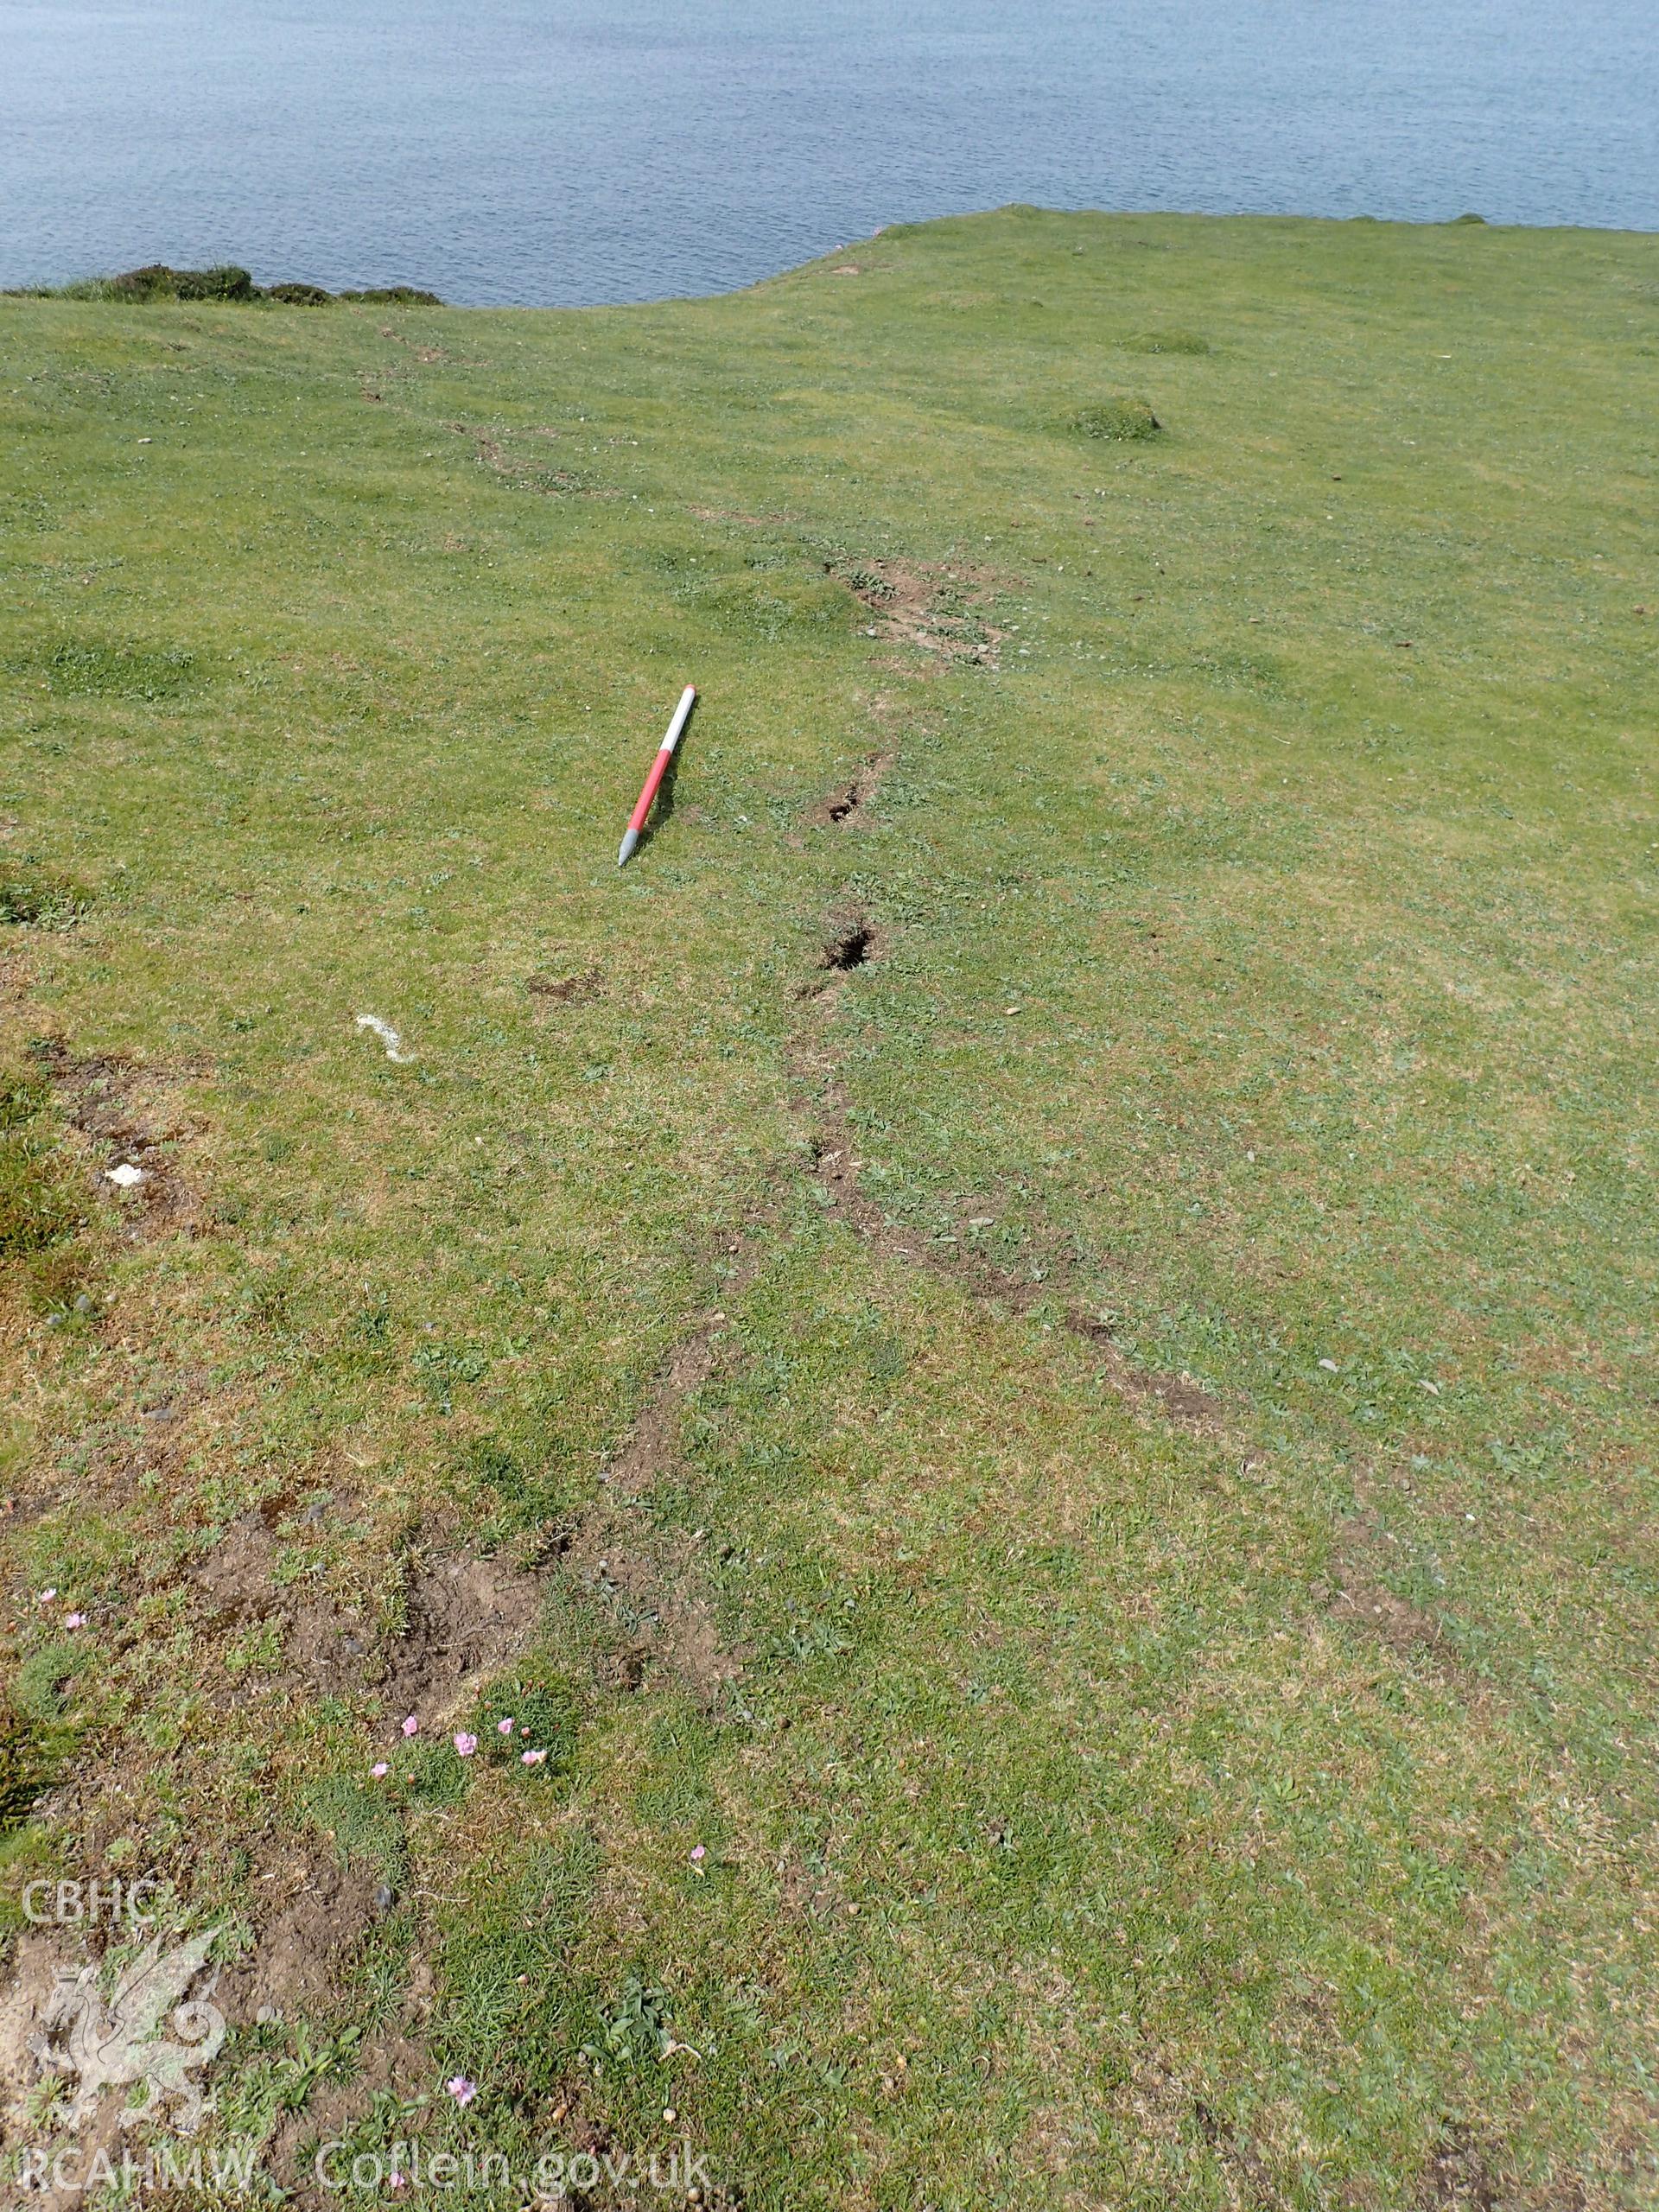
{"x": 658, "y": 770}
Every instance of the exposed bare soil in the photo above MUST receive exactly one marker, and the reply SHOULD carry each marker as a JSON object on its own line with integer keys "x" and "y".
{"x": 842, "y": 809}
{"x": 938, "y": 609}
{"x": 122, "y": 1110}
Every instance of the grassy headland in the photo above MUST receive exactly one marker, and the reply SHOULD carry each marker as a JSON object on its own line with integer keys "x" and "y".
{"x": 1026, "y": 1352}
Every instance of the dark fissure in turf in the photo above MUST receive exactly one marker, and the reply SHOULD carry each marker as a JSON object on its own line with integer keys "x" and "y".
{"x": 841, "y": 810}
{"x": 853, "y": 943}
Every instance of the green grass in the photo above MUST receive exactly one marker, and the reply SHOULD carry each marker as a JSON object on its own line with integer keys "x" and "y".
{"x": 1262, "y": 889}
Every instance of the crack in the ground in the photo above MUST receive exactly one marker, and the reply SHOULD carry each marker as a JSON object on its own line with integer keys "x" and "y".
{"x": 842, "y": 809}
{"x": 1362, "y": 1599}
{"x": 645, "y": 1578}
{"x": 1235, "y": 2154}
{"x": 495, "y": 455}
{"x": 856, "y": 941}
{"x": 853, "y": 943}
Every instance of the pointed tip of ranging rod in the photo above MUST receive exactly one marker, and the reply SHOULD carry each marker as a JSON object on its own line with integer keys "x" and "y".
{"x": 625, "y": 851}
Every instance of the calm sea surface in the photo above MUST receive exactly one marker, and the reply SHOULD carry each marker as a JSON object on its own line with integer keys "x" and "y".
{"x": 570, "y": 150}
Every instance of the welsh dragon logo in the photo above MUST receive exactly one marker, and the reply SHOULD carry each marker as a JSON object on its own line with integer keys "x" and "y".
{"x": 123, "y": 2042}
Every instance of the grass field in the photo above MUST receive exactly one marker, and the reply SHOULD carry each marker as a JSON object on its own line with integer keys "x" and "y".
{"x": 1026, "y": 1352}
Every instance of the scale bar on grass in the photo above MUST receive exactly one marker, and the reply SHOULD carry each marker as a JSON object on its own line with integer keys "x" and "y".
{"x": 658, "y": 770}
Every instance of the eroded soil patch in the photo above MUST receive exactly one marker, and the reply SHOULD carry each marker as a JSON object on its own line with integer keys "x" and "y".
{"x": 519, "y": 475}
{"x": 647, "y": 1580}
{"x": 841, "y": 810}
{"x": 1362, "y": 1598}
{"x": 37, "y": 1960}
{"x": 1458, "y": 2177}
{"x": 464, "y": 1619}
{"x": 654, "y": 1446}
{"x": 1244, "y": 2168}
{"x": 33, "y": 1967}
{"x": 396, "y": 2062}
{"x": 328, "y": 1646}
{"x": 941, "y": 610}
{"x": 567, "y": 990}
{"x": 132, "y": 1136}
{"x": 311, "y": 1915}
{"x": 1177, "y": 1397}
{"x": 308, "y": 1918}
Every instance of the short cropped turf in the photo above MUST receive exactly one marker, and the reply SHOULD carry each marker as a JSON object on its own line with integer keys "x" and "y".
{"x": 1066, "y": 1485}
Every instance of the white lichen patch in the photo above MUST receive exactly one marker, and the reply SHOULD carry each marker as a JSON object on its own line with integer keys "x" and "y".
{"x": 387, "y": 1034}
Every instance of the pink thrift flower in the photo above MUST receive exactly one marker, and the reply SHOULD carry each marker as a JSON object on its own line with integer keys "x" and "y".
{"x": 461, "y": 2089}
{"x": 379, "y": 1770}
{"x": 504, "y": 1727}
{"x": 698, "y": 1852}
{"x": 532, "y": 1758}
{"x": 74, "y": 1620}
{"x": 45, "y": 1597}
{"x": 465, "y": 1745}
{"x": 411, "y": 1726}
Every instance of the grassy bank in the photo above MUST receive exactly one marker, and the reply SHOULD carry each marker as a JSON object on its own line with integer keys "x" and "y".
{"x": 1025, "y": 1353}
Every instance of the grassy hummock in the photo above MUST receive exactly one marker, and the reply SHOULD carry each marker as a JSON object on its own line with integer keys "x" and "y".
{"x": 1123, "y": 419}
{"x": 958, "y": 1481}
